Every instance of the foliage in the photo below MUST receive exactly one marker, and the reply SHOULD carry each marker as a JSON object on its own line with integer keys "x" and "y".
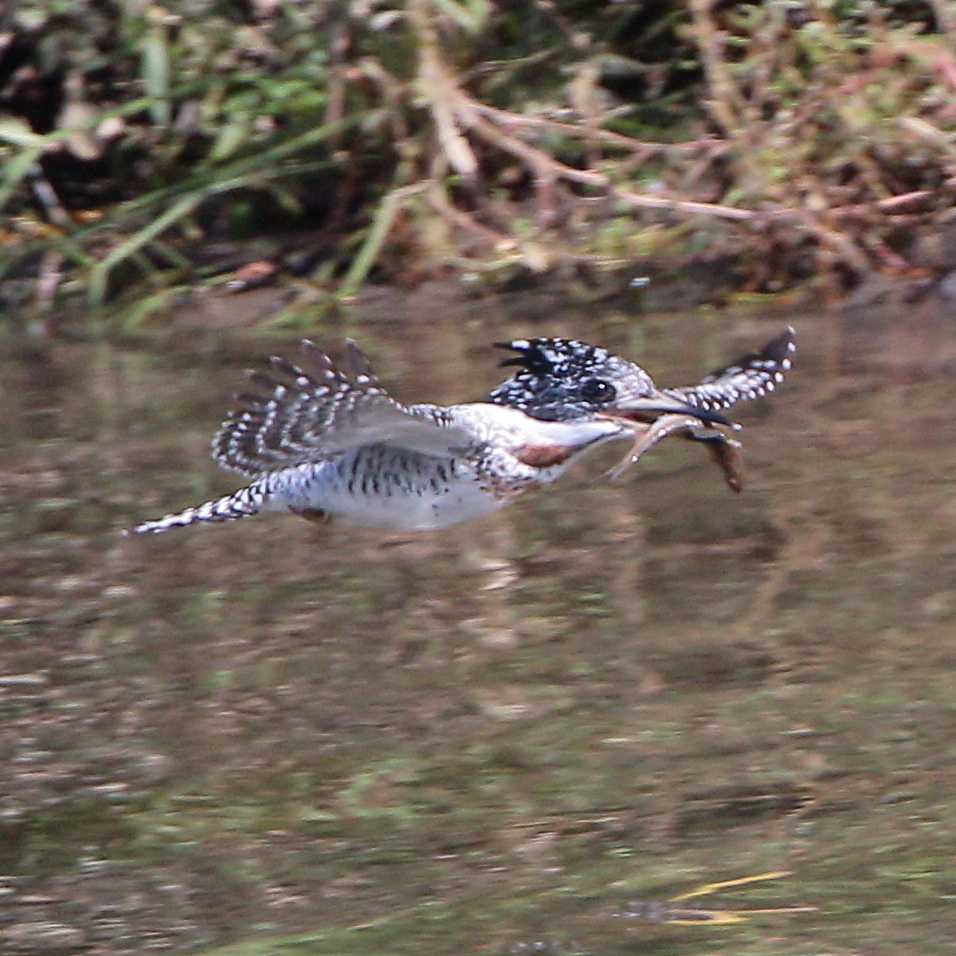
{"x": 387, "y": 134}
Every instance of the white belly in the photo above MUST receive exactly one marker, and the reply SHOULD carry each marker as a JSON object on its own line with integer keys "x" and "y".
{"x": 376, "y": 487}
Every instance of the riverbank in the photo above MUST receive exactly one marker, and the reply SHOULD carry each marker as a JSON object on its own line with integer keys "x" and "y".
{"x": 319, "y": 146}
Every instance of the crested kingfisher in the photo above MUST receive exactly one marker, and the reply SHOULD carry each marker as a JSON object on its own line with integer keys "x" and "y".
{"x": 325, "y": 440}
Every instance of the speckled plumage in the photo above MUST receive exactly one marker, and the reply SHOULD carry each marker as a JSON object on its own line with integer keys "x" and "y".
{"x": 328, "y": 442}
{"x": 561, "y": 379}
{"x": 751, "y": 376}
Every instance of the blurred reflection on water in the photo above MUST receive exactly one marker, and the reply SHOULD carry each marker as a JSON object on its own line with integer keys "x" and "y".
{"x": 509, "y": 736}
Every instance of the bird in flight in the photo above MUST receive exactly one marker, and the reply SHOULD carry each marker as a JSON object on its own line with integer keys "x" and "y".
{"x": 325, "y": 441}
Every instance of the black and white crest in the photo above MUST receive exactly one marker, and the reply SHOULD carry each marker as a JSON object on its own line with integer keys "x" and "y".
{"x": 564, "y": 379}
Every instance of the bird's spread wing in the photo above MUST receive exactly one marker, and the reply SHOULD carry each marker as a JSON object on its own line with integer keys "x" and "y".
{"x": 314, "y": 416}
{"x": 747, "y": 378}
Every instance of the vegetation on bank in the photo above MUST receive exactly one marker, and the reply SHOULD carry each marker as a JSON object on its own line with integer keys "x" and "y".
{"x": 330, "y": 140}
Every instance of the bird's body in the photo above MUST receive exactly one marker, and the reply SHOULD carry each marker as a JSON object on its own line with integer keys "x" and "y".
{"x": 331, "y": 444}
{"x": 490, "y": 456}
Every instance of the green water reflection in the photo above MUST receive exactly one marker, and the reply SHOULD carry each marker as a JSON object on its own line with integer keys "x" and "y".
{"x": 506, "y": 737}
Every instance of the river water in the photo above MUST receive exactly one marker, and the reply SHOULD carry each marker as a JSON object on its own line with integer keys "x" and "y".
{"x": 528, "y": 733}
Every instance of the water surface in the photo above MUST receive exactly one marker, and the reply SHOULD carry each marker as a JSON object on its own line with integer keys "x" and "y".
{"x": 508, "y": 736}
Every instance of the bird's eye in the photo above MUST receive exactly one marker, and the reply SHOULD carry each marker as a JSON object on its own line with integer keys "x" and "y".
{"x": 597, "y": 390}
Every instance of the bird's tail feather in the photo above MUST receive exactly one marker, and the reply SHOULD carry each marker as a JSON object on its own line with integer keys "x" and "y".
{"x": 240, "y": 504}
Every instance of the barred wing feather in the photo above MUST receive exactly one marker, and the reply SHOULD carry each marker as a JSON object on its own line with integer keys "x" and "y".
{"x": 747, "y": 378}
{"x": 315, "y": 415}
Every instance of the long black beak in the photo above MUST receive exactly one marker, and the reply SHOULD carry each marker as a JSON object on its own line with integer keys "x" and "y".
{"x": 658, "y": 403}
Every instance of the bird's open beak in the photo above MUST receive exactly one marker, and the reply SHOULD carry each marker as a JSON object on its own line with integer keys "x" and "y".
{"x": 649, "y": 407}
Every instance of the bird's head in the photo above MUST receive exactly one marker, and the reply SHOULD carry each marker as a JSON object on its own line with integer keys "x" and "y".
{"x": 564, "y": 379}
